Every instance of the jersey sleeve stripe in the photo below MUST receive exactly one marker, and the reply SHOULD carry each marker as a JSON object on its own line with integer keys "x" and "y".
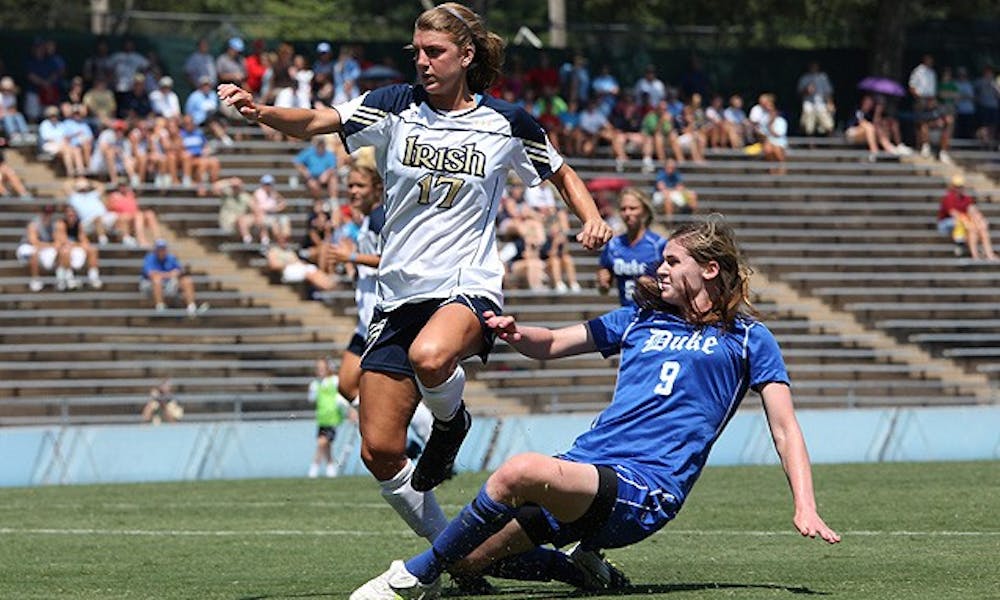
{"x": 533, "y": 144}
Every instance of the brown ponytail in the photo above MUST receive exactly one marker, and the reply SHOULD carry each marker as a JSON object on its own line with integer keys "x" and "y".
{"x": 466, "y": 28}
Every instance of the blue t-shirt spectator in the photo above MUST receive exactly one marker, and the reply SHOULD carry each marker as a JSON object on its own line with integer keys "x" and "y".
{"x": 156, "y": 263}
{"x": 202, "y": 103}
{"x": 671, "y": 180}
{"x": 316, "y": 161}
{"x": 193, "y": 141}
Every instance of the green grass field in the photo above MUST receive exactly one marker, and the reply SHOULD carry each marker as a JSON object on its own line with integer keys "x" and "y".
{"x": 910, "y": 531}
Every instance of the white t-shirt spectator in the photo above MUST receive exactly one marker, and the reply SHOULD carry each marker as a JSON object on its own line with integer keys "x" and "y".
{"x": 592, "y": 120}
{"x": 166, "y": 104}
{"x": 923, "y": 80}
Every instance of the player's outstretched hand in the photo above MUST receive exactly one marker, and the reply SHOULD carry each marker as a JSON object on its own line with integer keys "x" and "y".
{"x": 503, "y": 325}
{"x": 240, "y": 99}
{"x": 595, "y": 234}
{"x": 810, "y": 524}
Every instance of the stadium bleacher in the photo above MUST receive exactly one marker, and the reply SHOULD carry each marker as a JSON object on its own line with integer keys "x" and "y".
{"x": 853, "y": 237}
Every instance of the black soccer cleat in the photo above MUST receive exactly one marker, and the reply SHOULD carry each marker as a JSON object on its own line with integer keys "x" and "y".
{"x": 473, "y": 585}
{"x": 598, "y": 572}
{"x": 438, "y": 458}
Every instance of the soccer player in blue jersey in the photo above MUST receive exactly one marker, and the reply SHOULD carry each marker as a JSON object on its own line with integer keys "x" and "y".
{"x": 689, "y": 353}
{"x": 444, "y": 149}
{"x": 634, "y": 253}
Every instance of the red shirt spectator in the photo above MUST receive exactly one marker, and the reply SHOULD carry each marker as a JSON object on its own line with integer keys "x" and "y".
{"x": 955, "y": 200}
{"x": 256, "y": 67}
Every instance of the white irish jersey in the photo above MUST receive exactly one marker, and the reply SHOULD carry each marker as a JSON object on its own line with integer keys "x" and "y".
{"x": 444, "y": 174}
{"x": 364, "y": 291}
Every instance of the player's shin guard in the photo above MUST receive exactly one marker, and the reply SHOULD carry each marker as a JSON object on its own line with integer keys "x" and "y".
{"x": 420, "y": 510}
{"x": 444, "y": 399}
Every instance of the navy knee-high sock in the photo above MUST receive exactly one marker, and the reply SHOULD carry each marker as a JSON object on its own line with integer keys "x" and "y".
{"x": 483, "y": 517}
{"x": 537, "y": 564}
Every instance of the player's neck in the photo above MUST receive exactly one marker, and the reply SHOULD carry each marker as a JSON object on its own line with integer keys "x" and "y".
{"x": 461, "y": 98}
{"x": 635, "y": 236}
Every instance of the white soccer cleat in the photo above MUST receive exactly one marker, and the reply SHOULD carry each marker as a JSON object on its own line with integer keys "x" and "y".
{"x": 598, "y": 572}
{"x": 397, "y": 584}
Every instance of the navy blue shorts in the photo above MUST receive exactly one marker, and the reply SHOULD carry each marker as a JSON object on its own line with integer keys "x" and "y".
{"x": 326, "y": 431}
{"x": 391, "y": 334}
{"x": 356, "y": 345}
{"x": 639, "y": 510}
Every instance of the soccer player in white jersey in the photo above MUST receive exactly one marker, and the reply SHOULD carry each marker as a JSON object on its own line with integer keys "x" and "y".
{"x": 690, "y": 351}
{"x": 444, "y": 150}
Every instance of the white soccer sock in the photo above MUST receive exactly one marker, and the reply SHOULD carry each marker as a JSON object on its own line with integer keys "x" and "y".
{"x": 422, "y": 422}
{"x": 443, "y": 400}
{"x": 420, "y": 510}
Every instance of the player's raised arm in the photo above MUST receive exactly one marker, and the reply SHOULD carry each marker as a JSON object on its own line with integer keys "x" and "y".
{"x": 540, "y": 342}
{"x": 595, "y": 232}
{"x": 302, "y": 123}
{"x": 791, "y": 447}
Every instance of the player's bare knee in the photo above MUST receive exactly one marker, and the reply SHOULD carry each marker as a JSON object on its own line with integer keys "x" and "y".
{"x": 432, "y": 362}
{"x": 510, "y": 482}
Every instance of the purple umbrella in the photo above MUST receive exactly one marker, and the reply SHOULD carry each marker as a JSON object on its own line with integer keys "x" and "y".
{"x": 882, "y": 85}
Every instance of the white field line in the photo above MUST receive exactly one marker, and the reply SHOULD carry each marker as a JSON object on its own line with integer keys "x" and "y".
{"x": 403, "y": 533}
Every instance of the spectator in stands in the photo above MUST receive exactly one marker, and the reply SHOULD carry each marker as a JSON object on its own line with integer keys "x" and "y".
{"x": 548, "y": 110}
{"x": 594, "y": 128}
{"x": 234, "y": 208}
{"x": 14, "y": 125}
{"x": 283, "y": 260}
{"x": 229, "y": 65}
{"x": 44, "y": 81}
{"x": 114, "y": 154}
{"x": 627, "y": 119}
{"x": 319, "y": 229}
{"x": 162, "y": 405}
{"x": 720, "y": 132}
{"x": 523, "y": 234}
{"x": 164, "y": 100}
{"x": 162, "y": 155}
{"x": 861, "y": 129}
{"x": 346, "y": 72}
{"x": 197, "y": 162}
{"x": 650, "y": 89}
{"x": 78, "y": 133}
{"x": 634, "y": 253}
{"x": 959, "y": 216}
{"x": 134, "y": 104}
{"x": 126, "y": 64}
{"x": 74, "y": 251}
{"x": 816, "y": 91}
{"x": 318, "y": 168}
{"x": 200, "y": 64}
{"x": 131, "y": 221}
{"x": 927, "y": 113}
{"x": 98, "y": 65}
{"x": 671, "y": 194}
{"x": 322, "y": 68}
{"x": 773, "y": 128}
{"x": 256, "y": 65}
{"x": 689, "y": 136}
{"x": 163, "y": 278}
{"x": 74, "y": 95}
{"x": 52, "y": 141}
{"x": 965, "y": 105}
{"x": 574, "y": 77}
{"x": 37, "y": 248}
{"x": 688, "y": 357}
{"x": 202, "y": 105}
{"x": 87, "y": 199}
{"x": 658, "y": 130}
{"x": 9, "y": 177}
{"x": 331, "y": 410}
{"x": 100, "y": 104}
{"x": 606, "y": 90}
{"x": 267, "y": 208}
{"x": 987, "y": 90}
{"x": 555, "y": 250}
{"x": 737, "y": 118}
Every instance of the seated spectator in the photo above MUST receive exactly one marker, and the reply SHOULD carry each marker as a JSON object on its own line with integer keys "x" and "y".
{"x": 52, "y": 141}
{"x": 773, "y": 129}
{"x": 522, "y": 232}
{"x": 164, "y": 100}
{"x": 671, "y": 194}
{"x": 132, "y": 222}
{"x": 636, "y": 252}
{"x": 861, "y": 129}
{"x": 196, "y": 156}
{"x": 658, "y": 129}
{"x": 887, "y": 124}
{"x": 78, "y": 133}
{"x": 134, "y": 104}
{"x": 319, "y": 230}
{"x": 743, "y": 128}
{"x": 14, "y": 124}
{"x": 627, "y": 119}
{"x": 9, "y": 177}
{"x": 283, "y": 259}
{"x": 987, "y": 103}
{"x": 927, "y": 113}
{"x": 959, "y": 217}
{"x": 74, "y": 251}
{"x": 234, "y": 206}
{"x": 114, "y": 156}
{"x": 162, "y": 405}
{"x": 86, "y": 197}
{"x": 37, "y": 248}
{"x": 318, "y": 167}
{"x": 719, "y": 131}
{"x": 689, "y": 136}
{"x": 594, "y": 128}
{"x": 202, "y": 105}
{"x": 100, "y": 104}
{"x": 200, "y": 65}
{"x": 555, "y": 250}
{"x": 816, "y": 91}
{"x": 266, "y": 210}
{"x": 163, "y": 278}
{"x": 522, "y": 265}
{"x": 548, "y": 110}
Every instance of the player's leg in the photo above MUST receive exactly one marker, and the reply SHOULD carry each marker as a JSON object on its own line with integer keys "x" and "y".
{"x": 387, "y": 403}
{"x": 349, "y": 375}
{"x": 453, "y": 332}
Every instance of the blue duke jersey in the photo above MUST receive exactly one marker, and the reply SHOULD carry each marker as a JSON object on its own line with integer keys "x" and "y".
{"x": 444, "y": 174}
{"x": 364, "y": 290}
{"x": 628, "y": 261}
{"x": 678, "y": 386}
